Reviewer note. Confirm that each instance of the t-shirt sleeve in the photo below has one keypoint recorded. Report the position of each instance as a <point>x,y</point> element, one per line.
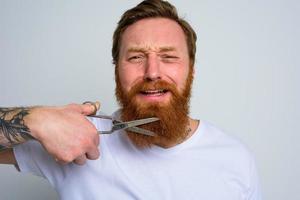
<point>31,157</point>
<point>254,192</point>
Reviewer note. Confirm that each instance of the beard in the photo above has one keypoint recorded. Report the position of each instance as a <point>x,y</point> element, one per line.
<point>173,124</point>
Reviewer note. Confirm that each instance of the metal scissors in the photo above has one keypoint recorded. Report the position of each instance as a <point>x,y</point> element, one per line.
<point>130,125</point>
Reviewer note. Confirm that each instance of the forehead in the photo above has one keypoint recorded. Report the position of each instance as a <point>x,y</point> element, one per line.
<point>154,34</point>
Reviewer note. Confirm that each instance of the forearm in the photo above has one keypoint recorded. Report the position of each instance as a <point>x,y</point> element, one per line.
<point>13,130</point>
<point>63,131</point>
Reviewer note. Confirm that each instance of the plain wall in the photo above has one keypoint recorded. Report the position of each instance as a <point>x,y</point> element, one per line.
<point>247,74</point>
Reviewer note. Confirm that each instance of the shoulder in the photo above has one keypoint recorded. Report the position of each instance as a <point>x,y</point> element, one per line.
<point>235,160</point>
<point>228,146</point>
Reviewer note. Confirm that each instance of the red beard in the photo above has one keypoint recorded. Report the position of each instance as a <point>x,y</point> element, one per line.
<point>174,120</point>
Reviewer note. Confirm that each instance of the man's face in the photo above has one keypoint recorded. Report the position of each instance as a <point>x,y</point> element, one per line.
<point>153,79</point>
<point>151,50</point>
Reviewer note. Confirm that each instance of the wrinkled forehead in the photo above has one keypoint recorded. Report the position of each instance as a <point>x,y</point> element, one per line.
<point>150,48</point>
<point>154,34</point>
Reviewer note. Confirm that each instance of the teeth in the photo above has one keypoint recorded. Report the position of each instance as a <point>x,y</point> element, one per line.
<point>153,91</point>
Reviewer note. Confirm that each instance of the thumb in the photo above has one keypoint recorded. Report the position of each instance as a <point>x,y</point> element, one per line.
<point>90,108</point>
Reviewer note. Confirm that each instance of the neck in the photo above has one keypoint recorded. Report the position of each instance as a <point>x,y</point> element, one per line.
<point>191,129</point>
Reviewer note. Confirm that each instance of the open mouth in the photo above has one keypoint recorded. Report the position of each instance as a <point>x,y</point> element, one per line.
<point>158,92</point>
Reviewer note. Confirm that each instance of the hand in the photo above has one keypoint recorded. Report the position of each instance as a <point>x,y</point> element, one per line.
<point>65,132</point>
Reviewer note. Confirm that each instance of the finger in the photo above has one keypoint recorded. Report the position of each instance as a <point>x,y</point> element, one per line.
<point>93,155</point>
<point>81,160</point>
<point>89,108</point>
<point>75,107</point>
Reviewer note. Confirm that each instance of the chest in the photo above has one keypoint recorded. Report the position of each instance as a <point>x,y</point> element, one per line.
<point>175,177</point>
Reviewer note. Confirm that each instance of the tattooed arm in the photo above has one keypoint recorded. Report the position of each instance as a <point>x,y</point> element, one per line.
<point>63,131</point>
<point>13,130</point>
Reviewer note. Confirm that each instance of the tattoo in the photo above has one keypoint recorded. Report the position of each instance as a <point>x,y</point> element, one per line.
<point>13,130</point>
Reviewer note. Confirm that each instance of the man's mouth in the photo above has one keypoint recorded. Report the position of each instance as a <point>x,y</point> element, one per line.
<point>157,92</point>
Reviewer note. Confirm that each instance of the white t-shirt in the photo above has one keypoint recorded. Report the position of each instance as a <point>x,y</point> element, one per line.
<point>210,165</point>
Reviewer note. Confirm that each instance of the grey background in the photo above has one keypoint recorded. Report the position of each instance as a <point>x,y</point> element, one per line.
<point>58,52</point>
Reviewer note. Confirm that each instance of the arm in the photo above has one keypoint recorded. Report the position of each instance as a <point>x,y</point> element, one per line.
<point>63,131</point>
<point>13,131</point>
<point>7,157</point>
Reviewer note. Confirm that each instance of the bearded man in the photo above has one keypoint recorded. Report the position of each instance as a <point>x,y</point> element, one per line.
<point>154,53</point>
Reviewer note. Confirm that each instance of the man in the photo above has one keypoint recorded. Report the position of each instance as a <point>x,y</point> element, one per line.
<point>154,53</point>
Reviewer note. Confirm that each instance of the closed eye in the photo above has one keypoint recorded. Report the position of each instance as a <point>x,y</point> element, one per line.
<point>169,58</point>
<point>136,58</point>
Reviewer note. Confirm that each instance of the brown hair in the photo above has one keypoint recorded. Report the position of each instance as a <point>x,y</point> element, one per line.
<point>153,9</point>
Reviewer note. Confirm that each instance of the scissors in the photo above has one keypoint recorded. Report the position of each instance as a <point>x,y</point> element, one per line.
<point>130,125</point>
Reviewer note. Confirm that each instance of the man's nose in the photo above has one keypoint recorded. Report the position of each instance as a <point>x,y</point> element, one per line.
<point>152,68</point>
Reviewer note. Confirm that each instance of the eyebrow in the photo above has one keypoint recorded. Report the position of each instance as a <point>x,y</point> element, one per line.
<point>143,49</point>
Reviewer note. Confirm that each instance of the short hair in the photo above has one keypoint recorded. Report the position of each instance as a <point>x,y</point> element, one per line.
<point>153,9</point>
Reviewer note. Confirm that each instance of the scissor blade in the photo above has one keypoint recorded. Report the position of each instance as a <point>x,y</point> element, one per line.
<point>138,122</point>
<point>141,131</point>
